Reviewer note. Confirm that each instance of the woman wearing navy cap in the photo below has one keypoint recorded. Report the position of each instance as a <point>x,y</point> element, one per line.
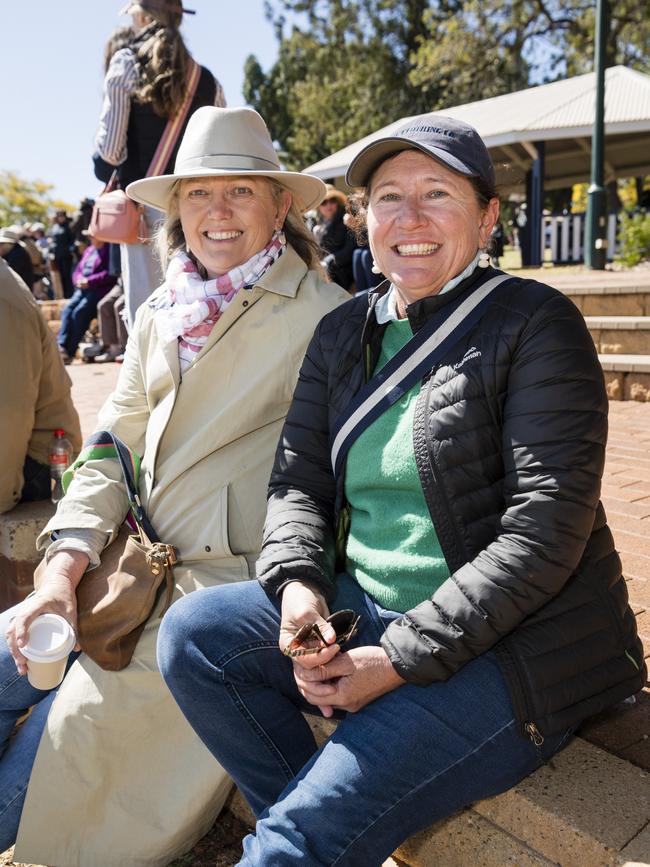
<point>438,477</point>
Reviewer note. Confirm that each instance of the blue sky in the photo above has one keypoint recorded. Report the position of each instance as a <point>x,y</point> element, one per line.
<point>51,70</point>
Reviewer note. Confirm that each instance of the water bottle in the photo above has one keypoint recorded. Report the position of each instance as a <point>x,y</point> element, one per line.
<point>60,457</point>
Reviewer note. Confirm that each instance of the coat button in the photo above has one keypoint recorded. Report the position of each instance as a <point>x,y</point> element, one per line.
<point>208,548</point>
<point>244,303</point>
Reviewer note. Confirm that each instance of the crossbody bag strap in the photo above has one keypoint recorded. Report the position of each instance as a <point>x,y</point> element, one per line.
<point>175,124</point>
<point>105,444</point>
<point>408,366</point>
<point>112,183</point>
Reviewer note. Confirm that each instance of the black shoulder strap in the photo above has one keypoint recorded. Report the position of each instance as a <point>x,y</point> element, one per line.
<point>409,365</point>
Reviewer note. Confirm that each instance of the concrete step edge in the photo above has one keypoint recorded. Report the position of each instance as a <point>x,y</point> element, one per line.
<point>625,363</point>
<point>602,289</point>
<point>583,809</point>
<point>619,323</point>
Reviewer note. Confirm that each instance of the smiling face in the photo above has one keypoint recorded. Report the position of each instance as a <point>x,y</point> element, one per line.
<point>425,224</point>
<point>226,220</point>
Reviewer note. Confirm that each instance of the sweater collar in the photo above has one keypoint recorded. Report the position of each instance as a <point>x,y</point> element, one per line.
<point>421,310</point>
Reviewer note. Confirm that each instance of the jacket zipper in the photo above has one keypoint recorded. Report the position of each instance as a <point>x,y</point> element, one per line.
<point>518,696</point>
<point>439,487</point>
<point>534,733</point>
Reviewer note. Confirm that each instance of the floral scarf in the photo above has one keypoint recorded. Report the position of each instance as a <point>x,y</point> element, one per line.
<point>190,306</point>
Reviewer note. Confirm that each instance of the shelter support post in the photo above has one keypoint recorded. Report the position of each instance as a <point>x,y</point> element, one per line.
<point>531,250</point>
<point>596,226</point>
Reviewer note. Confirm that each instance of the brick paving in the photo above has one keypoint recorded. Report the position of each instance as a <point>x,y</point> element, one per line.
<point>91,385</point>
<point>626,497</point>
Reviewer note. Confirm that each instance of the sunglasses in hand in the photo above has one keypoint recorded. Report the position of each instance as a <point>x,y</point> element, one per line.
<point>309,639</point>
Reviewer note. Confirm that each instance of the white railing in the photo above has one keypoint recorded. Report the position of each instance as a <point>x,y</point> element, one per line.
<point>564,236</point>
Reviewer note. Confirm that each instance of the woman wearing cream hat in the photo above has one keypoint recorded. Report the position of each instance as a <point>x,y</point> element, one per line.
<point>207,379</point>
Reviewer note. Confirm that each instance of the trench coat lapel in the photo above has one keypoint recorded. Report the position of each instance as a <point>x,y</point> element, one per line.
<point>170,353</point>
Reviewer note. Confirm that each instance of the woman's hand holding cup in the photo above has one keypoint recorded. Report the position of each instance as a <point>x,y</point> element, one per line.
<point>56,595</point>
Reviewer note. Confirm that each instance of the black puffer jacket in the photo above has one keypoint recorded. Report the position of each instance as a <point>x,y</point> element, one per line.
<point>509,437</point>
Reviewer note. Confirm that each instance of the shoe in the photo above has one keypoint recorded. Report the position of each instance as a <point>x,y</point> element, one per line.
<point>119,359</point>
<point>90,351</point>
<point>111,354</point>
<point>65,358</point>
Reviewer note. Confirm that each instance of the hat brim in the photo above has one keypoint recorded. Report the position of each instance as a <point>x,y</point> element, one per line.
<point>307,191</point>
<point>367,160</point>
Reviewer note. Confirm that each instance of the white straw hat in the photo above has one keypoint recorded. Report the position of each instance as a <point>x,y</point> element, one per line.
<point>227,142</point>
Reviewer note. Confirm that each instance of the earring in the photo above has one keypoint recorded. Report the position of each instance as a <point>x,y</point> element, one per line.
<point>483,260</point>
<point>375,268</point>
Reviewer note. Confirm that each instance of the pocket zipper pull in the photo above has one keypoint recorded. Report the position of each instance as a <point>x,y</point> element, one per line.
<point>534,733</point>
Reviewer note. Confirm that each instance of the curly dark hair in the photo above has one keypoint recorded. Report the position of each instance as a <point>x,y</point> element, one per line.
<point>162,60</point>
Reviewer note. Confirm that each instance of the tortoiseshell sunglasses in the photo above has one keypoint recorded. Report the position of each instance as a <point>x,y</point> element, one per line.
<point>309,639</point>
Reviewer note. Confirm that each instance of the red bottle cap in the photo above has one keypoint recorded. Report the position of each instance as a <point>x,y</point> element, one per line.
<point>59,432</point>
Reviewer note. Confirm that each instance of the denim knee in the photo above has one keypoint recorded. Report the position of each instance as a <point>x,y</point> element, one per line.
<point>175,636</point>
<point>210,628</point>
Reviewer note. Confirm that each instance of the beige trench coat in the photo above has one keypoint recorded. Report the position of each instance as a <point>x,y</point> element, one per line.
<point>34,387</point>
<point>120,778</point>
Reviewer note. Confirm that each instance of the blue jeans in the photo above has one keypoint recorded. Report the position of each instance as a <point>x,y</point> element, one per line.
<point>76,317</point>
<point>17,752</point>
<point>407,759</point>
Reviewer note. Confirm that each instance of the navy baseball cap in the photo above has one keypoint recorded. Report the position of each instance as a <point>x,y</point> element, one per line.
<point>452,142</point>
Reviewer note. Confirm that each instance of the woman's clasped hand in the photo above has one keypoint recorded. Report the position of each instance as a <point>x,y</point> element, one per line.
<point>332,679</point>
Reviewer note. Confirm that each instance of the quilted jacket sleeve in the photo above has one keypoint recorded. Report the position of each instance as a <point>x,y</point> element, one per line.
<point>553,436</point>
<point>298,542</point>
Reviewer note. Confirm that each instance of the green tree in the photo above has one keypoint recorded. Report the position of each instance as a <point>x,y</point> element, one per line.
<point>339,77</point>
<point>348,67</point>
<point>628,41</point>
<point>23,201</point>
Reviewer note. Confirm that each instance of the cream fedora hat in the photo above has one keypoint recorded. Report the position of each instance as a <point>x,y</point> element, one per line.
<point>226,142</point>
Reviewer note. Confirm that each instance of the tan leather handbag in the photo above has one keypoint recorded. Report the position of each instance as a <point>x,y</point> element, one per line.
<point>115,600</point>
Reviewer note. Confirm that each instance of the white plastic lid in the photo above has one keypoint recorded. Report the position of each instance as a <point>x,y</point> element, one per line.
<point>50,638</point>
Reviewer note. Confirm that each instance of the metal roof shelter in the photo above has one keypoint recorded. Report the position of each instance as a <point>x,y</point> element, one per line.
<point>541,137</point>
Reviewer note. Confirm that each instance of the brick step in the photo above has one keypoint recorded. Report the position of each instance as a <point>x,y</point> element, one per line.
<point>616,335</point>
<point>19,529</point>
<point>627,376</point>
<point>52,310</point>
<point>619,297</point>
<point>588,808</point>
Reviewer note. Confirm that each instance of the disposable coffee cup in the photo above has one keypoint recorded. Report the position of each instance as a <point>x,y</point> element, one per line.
<point>50,640</point>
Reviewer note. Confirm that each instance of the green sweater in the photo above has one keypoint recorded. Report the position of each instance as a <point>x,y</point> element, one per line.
<point>392,550</point>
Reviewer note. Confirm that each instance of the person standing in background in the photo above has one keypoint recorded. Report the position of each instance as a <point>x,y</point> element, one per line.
<point>62,244</point>
<point>336,241</point>
<point>144,87</point>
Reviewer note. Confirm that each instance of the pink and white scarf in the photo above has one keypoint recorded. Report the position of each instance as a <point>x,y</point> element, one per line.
<point>190,306</point>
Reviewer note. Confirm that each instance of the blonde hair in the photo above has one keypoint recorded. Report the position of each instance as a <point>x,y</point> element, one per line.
<point>162,60</point>
<point>171,240</point>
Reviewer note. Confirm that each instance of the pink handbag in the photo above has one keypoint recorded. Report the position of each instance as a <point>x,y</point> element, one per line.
<point>116,218</point>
